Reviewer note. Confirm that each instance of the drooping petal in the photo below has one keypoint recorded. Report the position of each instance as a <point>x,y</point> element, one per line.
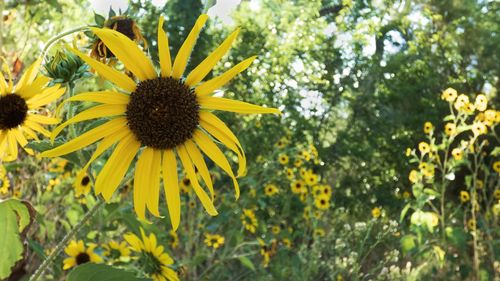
<point>12,147</point>
<point>222,131</point>
<point>34,88</point>
<point>21,140</point>
<point>199,163</point>
<point>106,97</point>
<point>3,85</point>
<point>117,165</point>
<point>164,51</point>
<point>106,143</point>
<point>187,47</point>
<point>36,127</point>
<point>213,152</point>
<point>208,64</point>
<point>224,104</point>
<point>202,195</point>
<point>88,137</point>
<point>43,119</point>
<point>140,183</point>
<point>127,52</point>
<point>219,81</point>
<point>119,79</point>
<point>29,75</point>
<point>171,187</point>
<point>153,198</point>
<point>100,111</point>
<point>30,133</point>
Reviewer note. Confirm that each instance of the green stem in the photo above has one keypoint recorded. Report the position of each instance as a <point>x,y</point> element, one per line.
<point>61,245</point>
<point>60,36</point>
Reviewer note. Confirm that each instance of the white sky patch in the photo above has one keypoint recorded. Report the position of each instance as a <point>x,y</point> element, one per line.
<point>223,10</point>
<point>102,7</point>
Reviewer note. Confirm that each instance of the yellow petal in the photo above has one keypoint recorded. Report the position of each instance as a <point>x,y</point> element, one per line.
<point>21,140</point>
<point>117,165</point>
<point>171,187</point>
<point>3,85</point>
<point>105,110</point>
<point>199,163</point>
<point>34,88</point>
<point>89,137</point>
<point>222,132</point>
<point>12,146</point>
<point>6,68</point>
<point>30,133</point>
<point>43,99</point>
<point>127,52</point>
<point>119,79</point>
<point>106,97</point>
<point>43,119</point>
<point>202,195</point>
<point>164,51</point>
<point>213,152</point>
<point>106,143</point>
<point>35,126</point>
<point>154,183</point>
<point>207,64</point>
<point>140,184</point>
<point>185,51</point>
<point>224,104</point>
<point>28,76</point>
<point>219,81</point>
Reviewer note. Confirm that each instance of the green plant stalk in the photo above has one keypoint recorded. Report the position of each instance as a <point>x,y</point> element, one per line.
<point>59,36</point>
<point>61,245</point>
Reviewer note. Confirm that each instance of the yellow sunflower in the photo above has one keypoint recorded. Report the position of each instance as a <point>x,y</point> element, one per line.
<point>117,251</point>
<point>249,220</point>
<point>156,262</point>
<point>158,117</point>
<point>19,116</point>
<point>79,254</point>
<point>270,190</point>
<point>82,185</point>
<point>213,240</point>
<point>322,202</point>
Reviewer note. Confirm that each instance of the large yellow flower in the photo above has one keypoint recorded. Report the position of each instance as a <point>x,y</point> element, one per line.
<point>19,104</point>
<point>160,116</point>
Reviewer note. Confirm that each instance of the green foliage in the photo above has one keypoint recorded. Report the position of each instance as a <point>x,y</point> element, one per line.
<point>15,217</point>
<point>102,272</point>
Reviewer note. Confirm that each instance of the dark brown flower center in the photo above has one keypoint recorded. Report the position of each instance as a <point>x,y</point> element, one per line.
<point>85,181</point>
<point>163,113</point>
<point>82,258</point>
<point>13,111</point>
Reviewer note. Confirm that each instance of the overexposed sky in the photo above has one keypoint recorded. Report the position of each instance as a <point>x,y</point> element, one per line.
<point>222,8</point>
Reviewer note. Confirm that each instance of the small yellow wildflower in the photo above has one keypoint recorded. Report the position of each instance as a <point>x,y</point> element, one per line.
<point>449,95</point>
<point>428,127</point>
<point>413,177</point>
<point>214,240</point>
<point>270,190</point>
<point>464,196</point>
<point>249,220</point>
<point>424,147</point>
<point>450,129</point>
<point>79,254</point>
<point>496,166</point>
<point>283,159</point>
<point>457,153</point>
<point>322,202</point>
<point>481,102</point>
<point>376,212</point>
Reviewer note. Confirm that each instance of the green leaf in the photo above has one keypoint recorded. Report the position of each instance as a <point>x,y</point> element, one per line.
<point>90,271</point>
<point>209,4</point>
<point>407,243</point>
<point>44,145</point>
<point>404,211</point>
<point>99,20</point>
<point>246,262</point>
<point>15,217</point>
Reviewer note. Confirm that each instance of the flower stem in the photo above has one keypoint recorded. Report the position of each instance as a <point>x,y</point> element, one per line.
<point>60,36</point>
<point>60,246</point>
